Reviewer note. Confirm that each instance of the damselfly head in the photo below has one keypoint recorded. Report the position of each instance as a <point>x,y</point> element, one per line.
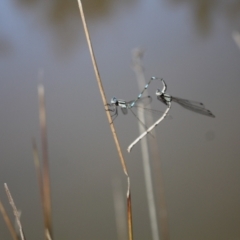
<point>114,100</point>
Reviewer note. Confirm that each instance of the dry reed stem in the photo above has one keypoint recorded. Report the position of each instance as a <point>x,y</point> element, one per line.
<point>118,201</point>
<point>48,235</point>
<point>138,69</point>
<point>37,167</point>
<point>8,222</point>
<point>157,170</point>
<point>236,38</point>
<point>129,213</point>
<point>38,170</point>
<point>130,230</point>
<point>15,211</point>
<point>45,172</point>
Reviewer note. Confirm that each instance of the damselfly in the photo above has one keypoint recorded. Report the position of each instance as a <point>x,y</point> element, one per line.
<point>140,103</point>
<point>126,106</point>
<point>167,99</point>
<point>194,106</point>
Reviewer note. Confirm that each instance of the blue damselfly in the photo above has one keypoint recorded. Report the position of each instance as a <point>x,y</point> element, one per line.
<point>167,99</point>
<point>125,106</point>
<point>194,106</point>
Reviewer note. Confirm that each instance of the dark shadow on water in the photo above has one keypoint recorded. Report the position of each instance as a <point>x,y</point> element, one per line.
<point>61,16</point>
<point>63,20</point>
<point>58,11</point>
<point>204,11</point>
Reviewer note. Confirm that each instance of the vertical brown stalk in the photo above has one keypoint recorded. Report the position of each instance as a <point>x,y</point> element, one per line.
<point>8,222</point>
<point>157,169</point>
<point>130,229</point>
<point>45,172</point>
<point>15,211</point>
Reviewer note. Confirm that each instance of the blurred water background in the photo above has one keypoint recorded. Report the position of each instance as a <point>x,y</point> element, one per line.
<point>188,43</point>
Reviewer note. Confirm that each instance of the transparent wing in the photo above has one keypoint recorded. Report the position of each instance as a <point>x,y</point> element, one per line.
<point>139,120</point>
<point>194,106</point>
<point>152,111</point>
<point>124,111</point>
<point>188,102</point>
<point>143,101</point>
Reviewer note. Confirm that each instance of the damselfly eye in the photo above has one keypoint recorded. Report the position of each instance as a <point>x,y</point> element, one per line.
<point>114,100</point>
<point>158,92</point>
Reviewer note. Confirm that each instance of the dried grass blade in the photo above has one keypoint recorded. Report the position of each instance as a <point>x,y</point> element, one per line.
<point>157,170</point>
<point>48,235</point>
<point>15,211</point>
<point>129,212</point>
<point>138,69</point>
<point>119,208</point>
<point>38,170</point>
<point>45,172</point>
<point>8,222</point>
<point>107,112</point>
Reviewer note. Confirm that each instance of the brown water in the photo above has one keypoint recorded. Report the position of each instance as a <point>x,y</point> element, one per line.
<point>190,45</point>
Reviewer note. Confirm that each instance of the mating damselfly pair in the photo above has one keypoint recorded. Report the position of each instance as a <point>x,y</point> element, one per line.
<point>162,96</point>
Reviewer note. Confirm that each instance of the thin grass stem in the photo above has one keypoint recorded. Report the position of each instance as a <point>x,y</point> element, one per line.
<point>118,201</point>
<point>154,149</point>
<point>15,211</point>
<point>8,222</point>
<point>101,89</point>
<point>48,235</point>
<point>45,173</point>
<point>138,69</point>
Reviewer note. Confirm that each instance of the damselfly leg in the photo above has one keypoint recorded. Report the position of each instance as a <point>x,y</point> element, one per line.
<point>127,105</point>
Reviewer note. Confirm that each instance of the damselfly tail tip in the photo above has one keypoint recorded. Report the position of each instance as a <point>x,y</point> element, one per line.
<point>213,116</point>
<point>155,78</point>
<point>210,114</point>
